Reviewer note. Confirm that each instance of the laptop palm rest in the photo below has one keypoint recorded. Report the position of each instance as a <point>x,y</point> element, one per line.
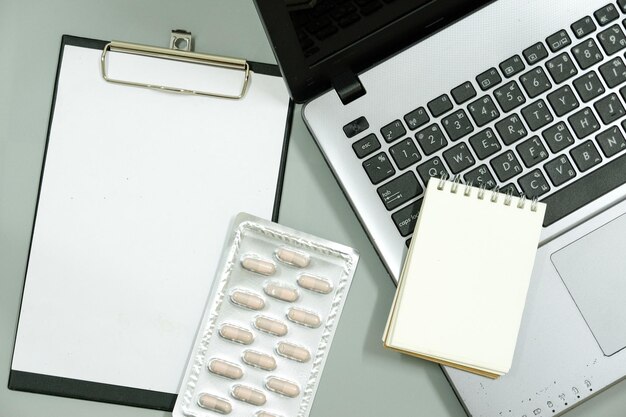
<point>593,268</point>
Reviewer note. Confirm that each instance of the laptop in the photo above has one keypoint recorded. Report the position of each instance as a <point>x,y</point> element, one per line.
<point>529,97</point>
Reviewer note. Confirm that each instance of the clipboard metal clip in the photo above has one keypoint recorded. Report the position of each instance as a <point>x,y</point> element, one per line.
<point>176,53</point>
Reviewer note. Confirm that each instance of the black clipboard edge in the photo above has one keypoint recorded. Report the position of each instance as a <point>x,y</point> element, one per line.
<point>96,391</point>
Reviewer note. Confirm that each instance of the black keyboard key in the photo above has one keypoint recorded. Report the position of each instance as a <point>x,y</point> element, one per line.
<point>534,184</point>
<point>399,190</point>
<point>440,105</point>
<point>558,137</point>
<point>563,100</point>
<point>589,86</point>
<point>405,153</point>
<point>583,27</point>
<point>537,115</point>
<point>622,5</point>
<point>535,82</point>
<point>510,189</point>
<point>431,139</point>
<point>584,122</point>
<point>483,111</point>
<point>612,39</point>
<point>378,168</point>
<point>512,66</point>
<point>509,96</point>
<point>488,79</point>
<point>408,243</point>
<point>532,151</point>
<point>560,170</point>
<point>535,53</point>
<point>366,146</point>
<point>463,92</point>
<point>585,190</point>
<point>609,108</point>
<point>406,218</point>
<point>356,126</point>
<point>506,166</point>
<point>558,41</point>
<point>613,72</point>
<point>611,141</point>
<point>586,156</point>
<point>587,53</point>
<point>511,129</point>
<point>561,68</point>
<point>606,14</point>
<point>459,158</point>
<point>394,130</point>
<point>432,168</point>
<point>480,176</point>
<point>457,125</point>
<point>416,118</point>
<point>485,143</point>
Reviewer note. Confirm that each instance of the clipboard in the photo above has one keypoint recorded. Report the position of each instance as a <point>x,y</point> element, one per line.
<point>136,187</point>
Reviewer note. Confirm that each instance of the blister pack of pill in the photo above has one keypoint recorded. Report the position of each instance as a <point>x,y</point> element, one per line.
<point>268,324</point>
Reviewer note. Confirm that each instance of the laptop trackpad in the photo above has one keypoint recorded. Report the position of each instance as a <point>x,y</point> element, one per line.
<point>593,269</point>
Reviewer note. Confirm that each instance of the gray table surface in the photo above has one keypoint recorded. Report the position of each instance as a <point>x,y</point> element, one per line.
<point>361,378</point>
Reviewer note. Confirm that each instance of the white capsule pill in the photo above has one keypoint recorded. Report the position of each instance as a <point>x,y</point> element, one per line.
<point>259,360</point>
<point>248,395</point>
<point>281,292</point>
<point>293,257</point>
<point>236,334</point>
<point>316,284</point>
<point>225,369</point>
<point>293,352</point>
<point>247,300</point>
<point>265,414</point>
<point>303,317</point>
<point>271,326</point>
<point>258,265</point>
<point>213,403</point>
<point>282,386</point>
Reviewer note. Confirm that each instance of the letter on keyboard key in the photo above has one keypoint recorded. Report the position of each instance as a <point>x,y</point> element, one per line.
<point>534,184</point>
<point>432,168</point>
<point>563,100</point>
<point>537,115</point>
<point>558,137</point>
<point>393,131</point>
<point>506,166</point>
<point>611,141</point>
<point>613,72</point>
<point>560,170</point>
<point>406,218</point>
<point>532,151</point>
<point>609,108</point>
<point>511,129</point>
<point>485,143</point>
<point>584,122</point>
<point>399,190</point>
<point>586,156</point>
<point>458,158</point>
<point>480,176</point>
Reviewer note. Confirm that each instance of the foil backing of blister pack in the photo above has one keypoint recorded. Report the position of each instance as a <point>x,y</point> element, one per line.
<point>319,271</point>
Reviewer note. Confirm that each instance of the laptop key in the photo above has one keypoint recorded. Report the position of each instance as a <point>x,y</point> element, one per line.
<point>584,122</point>
<point>480,176</point>
<point>512,66</point>
<point>561,68</point>
<point>457,125</point>
<point>416,118</point>
<point>506,166</point>
<point>432,168</point>
<point>378,168</point>
<point>612,140</point>
<point>485,143</point>
<point>532,151</point>
<point>483,111</point>
<point>440,105</point>
<point>586,156</point>
<point>606,14</point>
<point>587,53</point>
<point>583,27</point>
<point>488,79</point>
<point>558,41</point>
<point>534,184</point>
<point>612,39</point>
<point>431,139</point>
<point>405,153</point>
<point>406,218</point>
<point>560,170</point>
<point>537,115</point>
<point>535,82</point>
<point>511,129</point>
<point>399,190</point>
<point>366,146</point>
<point>393,131</point>
<point>463,92</point>
<point>563,100</point>
<point>622,5</point>
<point>509,96</point>
<point>609,108</point>
<point>589,86</point>
<point>558,137</point>
<point>613,72</point>
<point>356,126</point>
<point>459,158</point>
<point>535,53</point>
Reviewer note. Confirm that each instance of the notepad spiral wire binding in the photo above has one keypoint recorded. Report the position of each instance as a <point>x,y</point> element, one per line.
<point>456,182</point>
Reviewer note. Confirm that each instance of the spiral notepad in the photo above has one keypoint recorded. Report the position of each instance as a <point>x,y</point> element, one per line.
<point>463,287</point>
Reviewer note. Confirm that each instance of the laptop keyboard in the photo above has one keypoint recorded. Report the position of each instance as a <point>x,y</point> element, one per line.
<point>547,123</point>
